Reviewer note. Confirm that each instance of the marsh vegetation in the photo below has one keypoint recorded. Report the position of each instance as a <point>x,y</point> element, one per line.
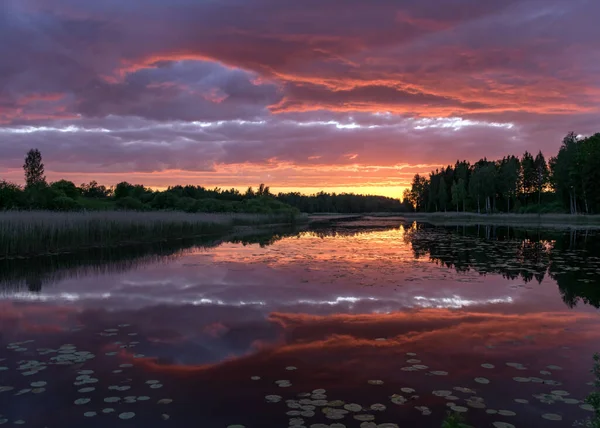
<point>29,233</point>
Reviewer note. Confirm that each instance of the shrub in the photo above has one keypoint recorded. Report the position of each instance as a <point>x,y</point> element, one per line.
<point>11,196</point>
<point>67,187</point>
<point>97,204</point>
<point>129,203</point>
<point>164,200</point>
<point>64,203</point>
<point>185,204</point>
<point>41,196</point>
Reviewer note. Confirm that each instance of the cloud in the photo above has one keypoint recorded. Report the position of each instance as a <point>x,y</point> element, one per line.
<point>210,86</point>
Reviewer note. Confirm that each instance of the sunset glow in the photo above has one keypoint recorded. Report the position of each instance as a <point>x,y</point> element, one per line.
<point>295,95</point>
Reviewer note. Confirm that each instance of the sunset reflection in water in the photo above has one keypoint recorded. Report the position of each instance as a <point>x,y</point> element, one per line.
<point>344,308</point>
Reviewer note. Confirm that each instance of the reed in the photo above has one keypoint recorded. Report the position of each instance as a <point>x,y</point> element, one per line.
<point>29,233</point>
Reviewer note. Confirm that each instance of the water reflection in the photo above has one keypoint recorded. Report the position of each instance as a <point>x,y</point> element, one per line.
<point>364,311</point>
<point>34,273</point>
<point>194,358</point>
<point>571,257</point>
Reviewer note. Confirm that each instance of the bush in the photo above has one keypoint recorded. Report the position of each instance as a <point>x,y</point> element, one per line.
<point>94,204</point>
<point>267,205</point>
<point>66,187</point>
<point>122,190</point>
<point>129,203</point>
<point>185,204</point>
<point>11,196</point>
<point>553,208</point>
<point>64,203</point>
<point>41,197</point>
<point>210,205</point>
<point>164,200</point>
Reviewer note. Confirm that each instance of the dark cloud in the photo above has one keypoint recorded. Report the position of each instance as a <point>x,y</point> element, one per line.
<point>155,86</point>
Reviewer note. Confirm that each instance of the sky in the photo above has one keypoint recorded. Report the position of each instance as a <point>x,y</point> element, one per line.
<point>339,95</point>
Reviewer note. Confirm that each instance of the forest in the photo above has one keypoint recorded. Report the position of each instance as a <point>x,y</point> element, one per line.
<point>64,195</point>
<point>567,182</point>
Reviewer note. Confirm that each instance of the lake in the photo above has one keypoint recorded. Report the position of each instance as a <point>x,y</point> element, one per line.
<point>365,324</point>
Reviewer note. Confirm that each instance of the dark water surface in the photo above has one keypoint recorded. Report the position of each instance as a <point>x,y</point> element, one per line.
<point>198,334</point>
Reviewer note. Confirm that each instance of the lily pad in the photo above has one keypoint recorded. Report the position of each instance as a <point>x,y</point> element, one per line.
<point>38,384</point>
<point>353,407</point>
<point>378,407</point>
<point>364,417</point>
<point>273,398</point>
<point>126,415</point>
<point>552,417</point>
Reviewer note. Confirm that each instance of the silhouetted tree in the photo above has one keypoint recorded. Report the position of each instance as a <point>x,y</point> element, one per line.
<point>541,174</point>
<point>34,169</point>
<point>459,194</point>
<point>94,190</point>
<point>508,179</point>
<point>528,175</point>
<point>69,188</point>
<point>442,193</point>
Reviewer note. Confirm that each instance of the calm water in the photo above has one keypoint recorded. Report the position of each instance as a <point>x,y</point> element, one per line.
<point>365,313</point>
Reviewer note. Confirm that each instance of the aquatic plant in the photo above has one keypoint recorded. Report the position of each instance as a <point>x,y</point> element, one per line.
<point>27,233</point>
<point>593,399</point>
<point>454,420</point>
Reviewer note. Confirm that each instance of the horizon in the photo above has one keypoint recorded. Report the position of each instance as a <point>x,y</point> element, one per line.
<point>230,95</point>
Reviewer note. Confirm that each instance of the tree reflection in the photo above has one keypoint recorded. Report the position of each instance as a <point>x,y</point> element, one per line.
<point>571,258</point>
<point>35,273</point>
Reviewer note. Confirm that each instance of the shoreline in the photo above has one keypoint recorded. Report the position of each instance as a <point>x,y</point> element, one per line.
<point>564,221</point>
<point>558,221</point>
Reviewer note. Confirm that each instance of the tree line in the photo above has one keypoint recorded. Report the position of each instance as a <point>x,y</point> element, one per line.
<point>567,182</point>
<point>64,195</point>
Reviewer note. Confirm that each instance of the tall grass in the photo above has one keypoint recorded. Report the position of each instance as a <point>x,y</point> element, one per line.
<point>28,233</point>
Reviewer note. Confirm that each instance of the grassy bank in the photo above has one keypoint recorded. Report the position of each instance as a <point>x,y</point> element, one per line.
<point>453,218</point>
<point>30,233</point>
